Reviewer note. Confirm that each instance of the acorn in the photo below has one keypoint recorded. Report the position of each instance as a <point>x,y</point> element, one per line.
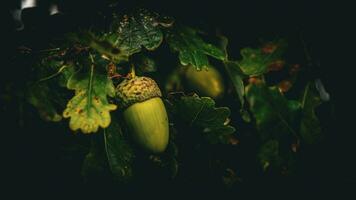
<point>144,113</point>
<point>206,82</point>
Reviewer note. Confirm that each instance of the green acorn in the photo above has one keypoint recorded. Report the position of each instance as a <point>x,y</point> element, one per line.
<point>206,82</point>
<point>144,112</point>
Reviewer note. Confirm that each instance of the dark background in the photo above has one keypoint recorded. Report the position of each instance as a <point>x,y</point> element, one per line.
<point>32,163</point>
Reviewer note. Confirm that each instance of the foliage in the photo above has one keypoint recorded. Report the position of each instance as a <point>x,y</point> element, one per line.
<point>91,63</point>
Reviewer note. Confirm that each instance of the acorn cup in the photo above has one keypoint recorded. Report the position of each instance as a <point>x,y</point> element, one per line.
<point>144,113</point>
<point>206,82</point>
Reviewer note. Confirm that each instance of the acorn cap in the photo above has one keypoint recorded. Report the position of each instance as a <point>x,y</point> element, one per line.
<point>137,89</point>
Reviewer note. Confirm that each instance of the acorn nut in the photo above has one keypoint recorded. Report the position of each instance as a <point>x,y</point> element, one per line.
<point>206,82</point>
<point>144,113</point>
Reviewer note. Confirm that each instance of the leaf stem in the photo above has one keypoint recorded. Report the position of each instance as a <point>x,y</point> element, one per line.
<point>196,116</point>
<point>53,75</point>
<point>49,50</point>
<point>305,48</point>
<point>90,84</point>
<point>133,73</point>
<point>305,95</point>
<point>106,148</point>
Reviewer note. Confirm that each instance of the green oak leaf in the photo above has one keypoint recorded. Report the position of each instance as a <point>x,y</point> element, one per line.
<point>310,128</point>
<point>89,108</point>
<point>191,47</point>
<point>141,29</point>
<point>119,153</point>
<point>201,113</point>
<point>256,61</point>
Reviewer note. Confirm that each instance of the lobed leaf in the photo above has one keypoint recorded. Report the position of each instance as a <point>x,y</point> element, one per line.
<point>200,112</point>
<point>89,109</point>
<point>192,48</point>
<point>141,29</point>
<point>256,61</point>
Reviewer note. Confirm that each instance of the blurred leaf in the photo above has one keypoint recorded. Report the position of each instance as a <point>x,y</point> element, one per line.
<point>49,72</point>
<point>245,115</point>
<point>39,95</point>
<point>89,108</point>
<point>274,114</point>
<point>269,154</point>
<point>141,29</point>
<point>192,48</point>
<point>200,112</point>
<point>174,81</point>
<point>310,128</point>
<point>49,69</point>
<point>173,165</point>
<point>166,163</point>
<point>119,153</point>
<point>172,153</point>
<point>144,64</point>
<point>230,178</point>
<point>99,43</point>
<point>256,61</point>
<point>223,44</point>
<point>277,122</point>
<point>108,50</point>
<point>236,77</point>
<point>66,73</point>
<point>324,95</point>
<point>94,165</point>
